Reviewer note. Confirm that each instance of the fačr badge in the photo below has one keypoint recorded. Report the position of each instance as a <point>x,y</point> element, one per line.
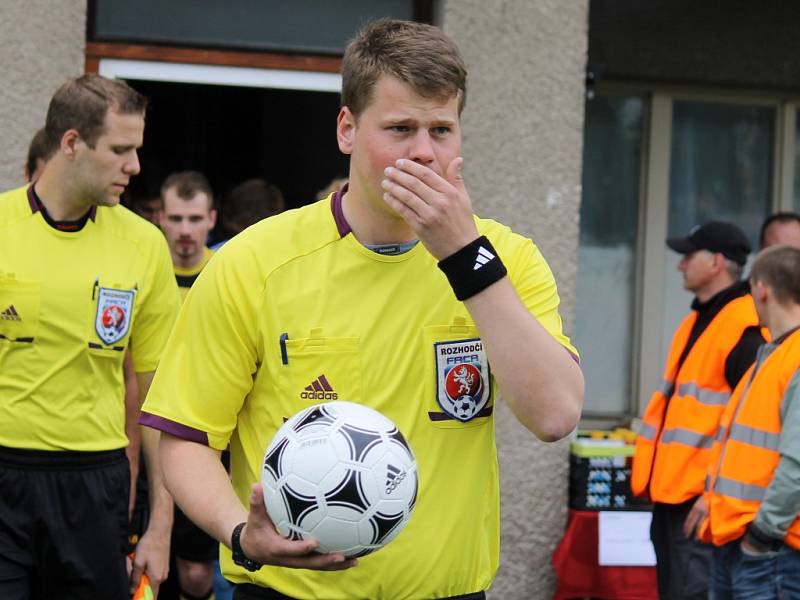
<point>463,380</point>
<point>113,318</point>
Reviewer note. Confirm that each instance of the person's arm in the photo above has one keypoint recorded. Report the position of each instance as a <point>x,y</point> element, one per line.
<point>132,431</point>
<point>540,380</point>
<point>152,551</point>
<point>216,509</point>
<point>781,502</point>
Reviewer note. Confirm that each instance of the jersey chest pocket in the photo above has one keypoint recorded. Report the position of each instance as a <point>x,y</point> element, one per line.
<point>109,320</point>
<point>318,369</point>
<point>19,311</point>
<point>459,384</point>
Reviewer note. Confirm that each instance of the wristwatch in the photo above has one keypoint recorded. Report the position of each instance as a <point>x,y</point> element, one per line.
<point>239,557</point>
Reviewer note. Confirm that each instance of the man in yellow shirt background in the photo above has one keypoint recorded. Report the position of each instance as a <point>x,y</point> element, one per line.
<point>82,280</point>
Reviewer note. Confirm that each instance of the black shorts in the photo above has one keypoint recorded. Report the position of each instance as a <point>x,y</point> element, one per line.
<point>63,524</point>
<point>189,542</point>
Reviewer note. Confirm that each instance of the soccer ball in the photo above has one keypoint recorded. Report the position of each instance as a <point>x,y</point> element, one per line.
<point>464,407</point>
<point>340,473</point>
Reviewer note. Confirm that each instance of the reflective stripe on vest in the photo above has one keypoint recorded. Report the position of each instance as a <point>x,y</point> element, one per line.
<point>755,437</point>
<point>739,490</point>
<point>667,388</point>
<point>687,438</point>
<point>703,395</point>
<point>648,432</point>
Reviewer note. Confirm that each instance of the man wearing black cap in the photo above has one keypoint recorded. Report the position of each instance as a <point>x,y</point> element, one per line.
<point>711,350</point>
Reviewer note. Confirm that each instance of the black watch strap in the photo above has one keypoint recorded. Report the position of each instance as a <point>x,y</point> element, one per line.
<point>239,556</point>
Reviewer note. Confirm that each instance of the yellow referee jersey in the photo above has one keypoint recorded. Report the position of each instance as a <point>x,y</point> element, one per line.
<point>71,303</point>
<point>186,277</point>
<point>295,311</point>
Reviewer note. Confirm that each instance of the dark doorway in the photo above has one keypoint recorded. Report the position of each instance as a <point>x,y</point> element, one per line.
<point>230,134</point>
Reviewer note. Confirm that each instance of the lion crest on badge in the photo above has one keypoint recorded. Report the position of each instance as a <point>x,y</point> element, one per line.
<point>463,379</point>
<point>113,317</point>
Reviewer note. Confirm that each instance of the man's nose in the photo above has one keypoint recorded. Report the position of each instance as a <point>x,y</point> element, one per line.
<point>422,148</point>
<point>131,166</point>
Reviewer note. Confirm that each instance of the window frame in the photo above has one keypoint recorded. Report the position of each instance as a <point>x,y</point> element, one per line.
<point>648,286</point>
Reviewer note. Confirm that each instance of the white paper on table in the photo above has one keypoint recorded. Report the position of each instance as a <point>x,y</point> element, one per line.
<point>624,539</point>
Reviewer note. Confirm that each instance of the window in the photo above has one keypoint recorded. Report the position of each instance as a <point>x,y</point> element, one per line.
<point>606,251</point>
<point>720,168</point>
<point>656,163</point>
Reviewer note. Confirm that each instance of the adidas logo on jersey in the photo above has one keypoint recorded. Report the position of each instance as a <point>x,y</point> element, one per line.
<point>393,478</point>
<point>319,389</point>
<point>10,314</point>
<point>484,256</point>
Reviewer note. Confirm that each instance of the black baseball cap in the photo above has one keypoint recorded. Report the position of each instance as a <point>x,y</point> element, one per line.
<point>714,236</point>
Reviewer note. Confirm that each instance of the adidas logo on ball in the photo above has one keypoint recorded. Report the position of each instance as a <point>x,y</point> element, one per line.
<point>393,478</point>
<point>340,473</point>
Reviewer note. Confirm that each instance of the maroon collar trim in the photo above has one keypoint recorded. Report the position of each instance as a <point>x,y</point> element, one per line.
<point>342,226</point>
<point>36,205</point>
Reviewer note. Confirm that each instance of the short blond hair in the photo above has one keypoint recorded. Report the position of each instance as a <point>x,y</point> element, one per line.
<point>417,54</point>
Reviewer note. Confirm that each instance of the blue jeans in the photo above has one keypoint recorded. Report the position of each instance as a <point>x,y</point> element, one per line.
<point>739,576</point>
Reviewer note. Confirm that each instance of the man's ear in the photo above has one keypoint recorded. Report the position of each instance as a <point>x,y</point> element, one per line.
<point>759,290</point>
<point>719,262</point>
<point>69,142</point>
<point>345,130</point>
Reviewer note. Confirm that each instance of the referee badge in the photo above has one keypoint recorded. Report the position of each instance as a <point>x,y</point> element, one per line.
<point>463,380</point>
<point>113,317</point>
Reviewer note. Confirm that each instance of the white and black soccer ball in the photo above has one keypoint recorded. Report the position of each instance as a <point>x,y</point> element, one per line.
<point>343,474</point>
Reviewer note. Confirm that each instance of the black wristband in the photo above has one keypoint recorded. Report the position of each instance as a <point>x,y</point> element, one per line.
<point>473,268</point>
<point>237,554</point>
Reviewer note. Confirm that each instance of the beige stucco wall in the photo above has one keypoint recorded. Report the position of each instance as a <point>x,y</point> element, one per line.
<point>41,44</point>
<point>522,144</point>
<point>523,132</point>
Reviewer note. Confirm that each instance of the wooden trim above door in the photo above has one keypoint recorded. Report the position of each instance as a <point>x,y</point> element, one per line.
<point>201,56</point>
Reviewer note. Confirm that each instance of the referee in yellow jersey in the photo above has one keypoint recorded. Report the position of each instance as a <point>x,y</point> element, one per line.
<point>373,295</point>
<point>82,280</point>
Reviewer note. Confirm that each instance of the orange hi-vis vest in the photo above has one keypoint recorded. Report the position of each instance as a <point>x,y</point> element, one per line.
<point>745,455</point>
<point>673,447</point>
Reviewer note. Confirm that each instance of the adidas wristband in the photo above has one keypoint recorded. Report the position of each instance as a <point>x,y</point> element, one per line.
<point>473,268</point>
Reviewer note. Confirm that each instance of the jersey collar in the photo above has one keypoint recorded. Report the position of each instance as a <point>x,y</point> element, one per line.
<point>36,205</point>
<point>342,226</point>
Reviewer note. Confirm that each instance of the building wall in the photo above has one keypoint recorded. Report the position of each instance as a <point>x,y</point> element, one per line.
<point>523,133</point>
<point>522,145</point>
<point>736,43</point>
<point>41,44</point>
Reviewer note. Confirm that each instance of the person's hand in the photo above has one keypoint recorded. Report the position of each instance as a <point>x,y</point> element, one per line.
<point>152,557</point>
<point>437,208</point>
<point>262,543</point>
<point>698,512</point>
<point>750,550</point>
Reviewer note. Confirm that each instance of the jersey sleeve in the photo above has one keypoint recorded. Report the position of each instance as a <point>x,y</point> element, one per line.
<point>211,357</point>
<point>536,287</point>
<point>158,304</point>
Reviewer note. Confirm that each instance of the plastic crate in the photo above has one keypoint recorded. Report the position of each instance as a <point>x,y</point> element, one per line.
<point>600,473</point>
